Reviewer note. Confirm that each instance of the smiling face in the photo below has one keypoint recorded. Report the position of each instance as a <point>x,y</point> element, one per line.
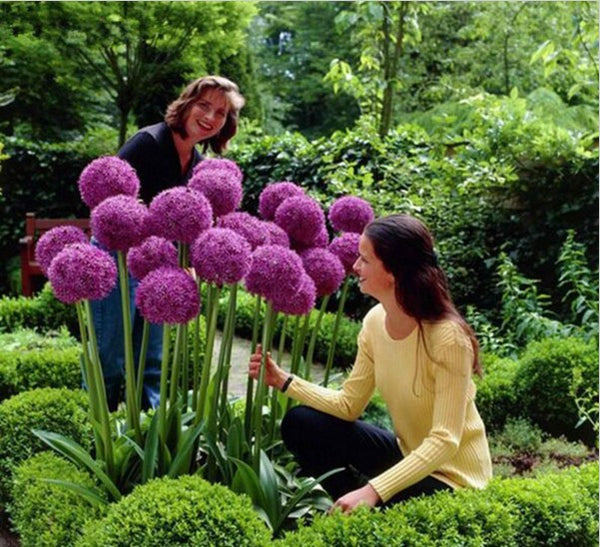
<point>207,115</point>
<point>373,278</point>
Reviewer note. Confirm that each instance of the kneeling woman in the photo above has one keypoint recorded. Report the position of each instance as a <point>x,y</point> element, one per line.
<point>419,352</point>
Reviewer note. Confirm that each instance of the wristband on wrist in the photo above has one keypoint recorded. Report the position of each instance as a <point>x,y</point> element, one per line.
<point>287,383</point>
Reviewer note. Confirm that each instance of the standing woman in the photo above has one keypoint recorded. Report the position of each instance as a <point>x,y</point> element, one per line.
<point>164,155</point>
<point>419,352</point>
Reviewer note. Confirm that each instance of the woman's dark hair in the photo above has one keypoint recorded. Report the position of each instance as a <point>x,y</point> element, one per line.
<point>406,248</point>
<point>178,110</point>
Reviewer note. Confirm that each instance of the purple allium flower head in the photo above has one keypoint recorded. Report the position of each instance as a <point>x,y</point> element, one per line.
<point>321,241</point>
<point>118,223</point>
<point>179,214</point>
<point>54,241</point>
<point>277,235</point>
<point>275,273</point>
<point>154,252</point>
<point>168,295</point>
<point>273,195</point>
<point>222,188</point>
<point>105,177</point>
<point>82,272</point>
<point>247,226</point>
<point>325,269</point>
<point>301,302</point>
<point>221,256</point>
<point>350,214</point>
<point>345,247</point>
<point>302,218</point>
<point>210,164</point>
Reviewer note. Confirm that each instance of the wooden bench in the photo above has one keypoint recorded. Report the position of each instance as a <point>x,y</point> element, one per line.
<point>34,228</point>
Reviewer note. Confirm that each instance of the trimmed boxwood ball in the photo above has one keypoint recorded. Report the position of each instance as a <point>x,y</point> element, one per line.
<point>61,411</point>
<point>543,383</point>
<point>49,515</point>
<point>184,511</point>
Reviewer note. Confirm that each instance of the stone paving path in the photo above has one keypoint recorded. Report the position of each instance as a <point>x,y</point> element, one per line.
<point>240,355</point>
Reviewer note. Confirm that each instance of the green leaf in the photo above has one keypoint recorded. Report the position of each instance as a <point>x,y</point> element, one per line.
<point>89,494</point>
<point>150,457</point>
<point>183,451</point>
<point>543,51</point>
<point>270,486</point>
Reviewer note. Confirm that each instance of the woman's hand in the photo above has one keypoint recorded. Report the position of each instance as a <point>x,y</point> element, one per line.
<point>363,496</point>
<point>274,376</point>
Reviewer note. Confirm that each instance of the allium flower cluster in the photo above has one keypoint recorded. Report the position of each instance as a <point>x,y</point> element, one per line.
<point>300,302</point>
<point>221,256</point>
<point>324,268</point>
<point>275,273</point>
<point>54,241</point>
<point>274,195</point>
<point>82,272</point>
<point>168,295</point>
<point>350,214</point>
<point>277,235</point>
<point>179,214</point>
<point>321,241</point>
<point>345,247</point>
<point>222,188</point>
<point>247,226</point>
<point>154,252</point>
<point>105,177</point>
<point>302,218</point>
<point>118,223</point>
<point>220,164</point>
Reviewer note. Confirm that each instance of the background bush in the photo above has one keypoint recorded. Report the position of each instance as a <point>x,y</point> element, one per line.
<point>555,509</point>
<point>183,511</point>
<point>58,410</point>
<point>49,515</point>
<point>543,384</point>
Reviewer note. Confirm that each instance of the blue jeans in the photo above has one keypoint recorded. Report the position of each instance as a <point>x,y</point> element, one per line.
<point>108,322</point>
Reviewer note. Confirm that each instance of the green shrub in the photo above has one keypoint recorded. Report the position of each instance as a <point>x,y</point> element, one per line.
<point>496,399</point>
<point>556,509</point>
<point>183,511</point>
<point>43,312</point>
<point>57,410</point>
<point>543,381</point>
<point>48,515</point>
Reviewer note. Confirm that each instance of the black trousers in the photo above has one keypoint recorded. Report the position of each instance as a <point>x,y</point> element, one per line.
<point>321,442</point>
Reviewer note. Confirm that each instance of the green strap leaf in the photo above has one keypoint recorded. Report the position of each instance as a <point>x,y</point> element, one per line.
<point>183,452</point>
<point>89,494</point>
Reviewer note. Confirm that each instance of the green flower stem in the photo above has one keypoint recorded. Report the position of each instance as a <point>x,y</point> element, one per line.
<point>250,381</point>
<point>275,414</point>
<point>300,332</point>
<point>92,385</point>
<point>336,327</point>
<point>196,359</point>
<point>268,328</point>
<point>133,413</point>
<point>100,390</point>
<point>211,327</point>
<point>313,338</point>
<point>142,362</point>
<point>185,372</point>
<point>227,346</point>
<point>164,375</point>
<point>176,365</point>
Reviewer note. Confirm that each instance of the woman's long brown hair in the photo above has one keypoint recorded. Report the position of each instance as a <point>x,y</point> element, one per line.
<point>406,248</point>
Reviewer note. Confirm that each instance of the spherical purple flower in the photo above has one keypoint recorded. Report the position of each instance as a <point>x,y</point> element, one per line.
<point>345,247</point>
<point>321,241</point>
<point>273,195</point>
<point>54,241</point>
<point>154,252</point>
<point>118,223</point>
<point>221,256</point>
<point>324,268</point>
<point>277,235</point>
<point>247,226</point>
<point>82,272</point>
<point>301,302</point>
<point>222,188</point>
<point>179,214</point>
<point>302,218</point>
<point>105,177</point>
<point>275,274</point>
<point>168,295</point>
<point>210,164</point>
<point>350,214</point>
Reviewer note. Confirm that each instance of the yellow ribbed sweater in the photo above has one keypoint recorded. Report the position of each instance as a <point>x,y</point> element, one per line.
<point>430,396</point>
